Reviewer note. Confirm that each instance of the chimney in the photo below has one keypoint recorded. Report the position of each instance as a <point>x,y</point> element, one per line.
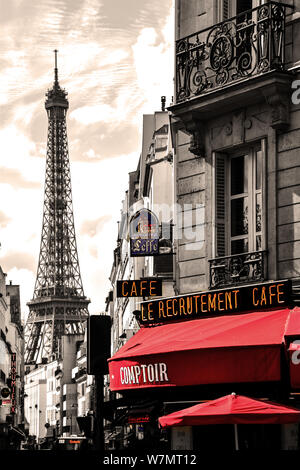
<point>163,103</point>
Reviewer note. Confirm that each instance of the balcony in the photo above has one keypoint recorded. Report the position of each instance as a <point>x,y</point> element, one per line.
<point>81,373</point>
<point>249,44</point>
<point>232,270</point>
<point>240,60</point>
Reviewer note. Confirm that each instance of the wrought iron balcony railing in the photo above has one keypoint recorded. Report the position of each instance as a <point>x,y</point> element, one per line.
<point>80,373</point>
<point>237,269</point>
<point>246,45</point>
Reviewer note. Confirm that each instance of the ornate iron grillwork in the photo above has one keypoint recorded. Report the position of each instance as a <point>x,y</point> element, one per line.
<point>249,44</point>
<point>237,269</point>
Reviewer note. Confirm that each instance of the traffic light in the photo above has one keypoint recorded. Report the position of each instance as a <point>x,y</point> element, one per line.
<point>98,343</point>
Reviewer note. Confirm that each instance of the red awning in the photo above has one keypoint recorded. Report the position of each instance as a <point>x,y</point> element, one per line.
<point>292,329</point>
<point>226,349</point>
<point>232,409</point>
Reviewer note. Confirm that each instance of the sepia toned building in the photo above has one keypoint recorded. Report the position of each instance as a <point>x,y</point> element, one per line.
<point>150,187</point>
<point>11,366</point>
<point>51,400</point>
<point>232,324</point>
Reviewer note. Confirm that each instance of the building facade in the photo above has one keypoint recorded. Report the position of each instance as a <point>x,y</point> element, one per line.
<point>11,366</point>
<point>238,122</point>
<point>85,390</point>
<point>51,402</point>
<point>150,187</point>
<point>235,131</point>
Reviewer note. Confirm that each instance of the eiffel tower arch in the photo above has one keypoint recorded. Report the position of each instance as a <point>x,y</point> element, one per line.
<point>59,306</point>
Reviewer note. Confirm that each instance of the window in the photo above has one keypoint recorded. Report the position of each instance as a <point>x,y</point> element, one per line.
<point>245,202</point>
<point>161,143</point>
<point>229,8</point>
<point>239,200</point>
<point>163,264</point>
<point>223,10</point>
<point>244,5</point>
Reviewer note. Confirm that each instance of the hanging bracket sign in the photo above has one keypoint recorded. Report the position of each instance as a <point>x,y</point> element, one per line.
<point>13,382</point>
<point>144,234</point>
<point>139,288</point>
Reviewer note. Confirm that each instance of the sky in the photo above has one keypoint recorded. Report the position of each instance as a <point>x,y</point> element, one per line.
<point>115,60</point>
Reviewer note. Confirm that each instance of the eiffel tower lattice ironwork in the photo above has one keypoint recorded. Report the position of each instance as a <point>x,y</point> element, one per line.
<point>59,306</point>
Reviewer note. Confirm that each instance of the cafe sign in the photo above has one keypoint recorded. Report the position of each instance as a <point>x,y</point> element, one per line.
<point>13,373</point>
<point>139,288</point>
<point>144,234</point>
<point>214,303</point>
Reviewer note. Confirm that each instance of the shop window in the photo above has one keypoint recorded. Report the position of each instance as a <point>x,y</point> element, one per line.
<point>239,202</point>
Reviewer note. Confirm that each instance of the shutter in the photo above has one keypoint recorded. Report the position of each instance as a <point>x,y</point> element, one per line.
<point>220,205</point>
<point>226,10</point>
<point>166,230</point>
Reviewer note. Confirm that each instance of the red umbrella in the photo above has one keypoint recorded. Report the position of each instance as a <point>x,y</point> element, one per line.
<point>232,409</point>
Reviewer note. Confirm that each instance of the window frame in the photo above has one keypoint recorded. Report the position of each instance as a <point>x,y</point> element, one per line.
<point>232,8</point>
<point>251,194</point>
<point>252,233</point>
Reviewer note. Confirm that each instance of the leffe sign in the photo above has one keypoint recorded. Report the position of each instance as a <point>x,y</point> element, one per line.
<point>144,234</point>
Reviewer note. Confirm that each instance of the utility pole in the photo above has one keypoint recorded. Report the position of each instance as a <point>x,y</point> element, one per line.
<point>99,426</point>
<point>98,342</point>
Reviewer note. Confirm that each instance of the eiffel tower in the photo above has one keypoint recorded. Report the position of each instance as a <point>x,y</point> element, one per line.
<point>59,306</point>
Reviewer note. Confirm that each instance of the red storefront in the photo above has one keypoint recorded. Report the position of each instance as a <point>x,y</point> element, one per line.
<point>198,346</point>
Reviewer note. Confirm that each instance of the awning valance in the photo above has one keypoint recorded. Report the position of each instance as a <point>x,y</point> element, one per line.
<point>235,348</point>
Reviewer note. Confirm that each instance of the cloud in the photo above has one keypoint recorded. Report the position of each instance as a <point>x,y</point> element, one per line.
<point>92,227</point>
<point>18,260</point>
<point>14,178</point>
<point>101,142</point>
<point>154,66</point>
<point>18,163</point>
<point>115,61</point>
<point>4,219</point>
<point>98,113</point>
